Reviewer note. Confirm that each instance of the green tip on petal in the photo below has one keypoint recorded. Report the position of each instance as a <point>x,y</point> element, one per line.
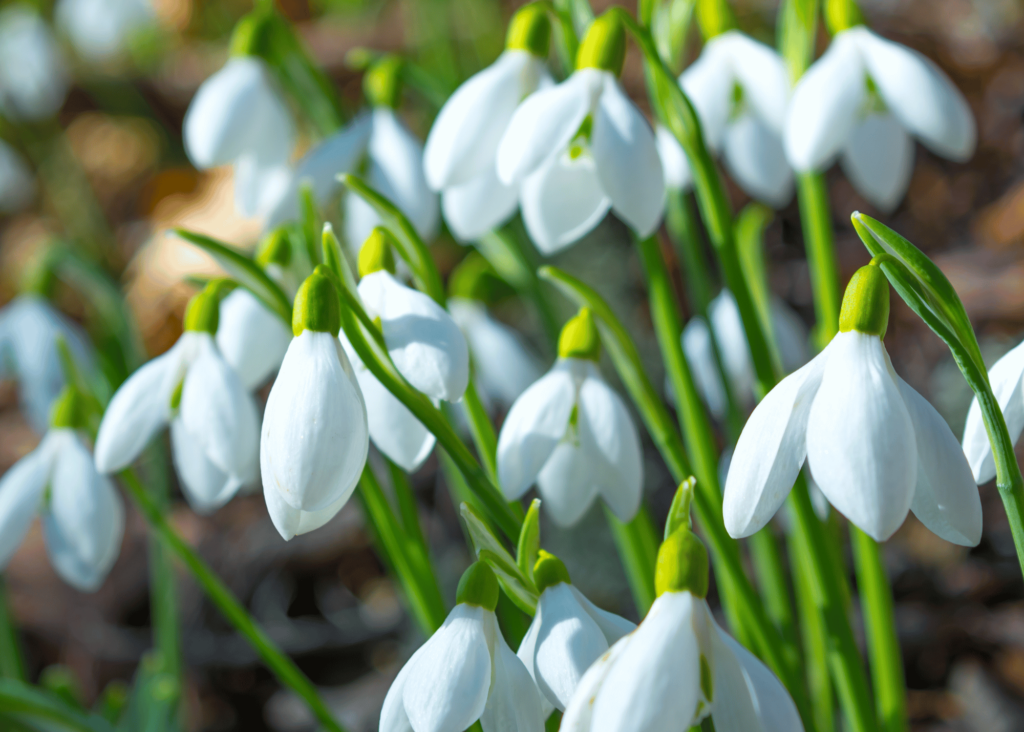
<point>376,253</point>
<point>251,34</point>
<point>530,30</point>
<point>316,305</point>
<point>548,571</point>
<point>842,15</point>
<point>866,302</point>
<point>275,248</point>
<point>382,82</point>
<point>604,45</point>
<point>69,411</point>
<point>682,565</point>
<point>579,338</point>
<point>478,586</point>
<point>474,278</point>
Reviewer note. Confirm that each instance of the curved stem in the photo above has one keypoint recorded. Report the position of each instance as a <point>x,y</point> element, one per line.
<point>12,663</point>
<point>816,220</point>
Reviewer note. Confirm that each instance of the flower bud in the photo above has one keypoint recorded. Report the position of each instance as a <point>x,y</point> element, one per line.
<point>275,249</point>
<point>382,82</point>
<point>69,410</point>
<point>842,15</point>
<point>866,302</point>
<point>604,45</point>
<point>478,586</point>
<point>203,311</point>
<point>530,30</point>
<point>682,565</point>
<point>376,252</point>
<point>548,571</point>
<point>579,338</point>
<point>316,305</point>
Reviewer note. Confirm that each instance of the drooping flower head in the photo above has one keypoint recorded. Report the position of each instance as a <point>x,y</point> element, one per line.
<point>875,447</point>
<point>1007,379</point>
<point>572,435</point>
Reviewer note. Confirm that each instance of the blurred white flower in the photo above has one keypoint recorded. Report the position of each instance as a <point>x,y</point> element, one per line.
<point>251,339</point>
<point>101,29</point>
<point>238,116</point>
<point>1007,379</point>
<point>33,74</point>
<point>863,100</point>
<point>17,185</point>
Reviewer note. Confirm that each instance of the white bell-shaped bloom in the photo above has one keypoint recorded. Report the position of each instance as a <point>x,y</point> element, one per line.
<point>790,337</point>
<point>213,419</point>
<point>82,515</point>
<point>875,447</point>
<point>251,339</point>
<point>568,633</point>
<point>29,329</point>
<point>33,76</point>
<point>238,116</point>
<point>100,29</point>
<point>503,368</point>
<point>674,165</point>
<point>1007,380</point>
<point>865,99</point>
<point>675,669</point>
<point>739,88</point>
<point>464,673</point>
<point>17,185</point>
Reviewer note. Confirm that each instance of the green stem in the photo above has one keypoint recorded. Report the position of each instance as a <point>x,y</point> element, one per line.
<point>816,219</point>
<point>279,664</point>
<point>813,634</point>
<point>1008,476</point>
<point>483,431</point>
<point>637,543</point>
<point>880,624</point>
<point>12,664</point>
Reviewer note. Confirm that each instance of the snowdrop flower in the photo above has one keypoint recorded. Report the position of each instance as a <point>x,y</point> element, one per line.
<point>33,77</point>
<point>790,337</point>
<point>581,148</point>
<point>567,634</point>
<point>571,434</point>
<point>1007,380</point>
<point>213,419</point>
<point>17,186</point>
<point>29,329</point>
<point>875,447</point>
<point>251,338</point>
<point>678,666</point>
<point>100,29</point>
<point>238,116</point>
<point>459,158</point>
<point>378,143</point>
<point>82,515</point>
<point>739,89</point>
<point>314,441</point>
<point>864,100</point>
<point>464,673</point>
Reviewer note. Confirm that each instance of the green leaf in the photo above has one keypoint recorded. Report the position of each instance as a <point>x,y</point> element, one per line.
<point>514,582</point>
<point>334,259</point>
<point>679,511</point>
<point>245,271</point>
<point>310,223</point>
<point>35,707</point>
<point>529,540</point>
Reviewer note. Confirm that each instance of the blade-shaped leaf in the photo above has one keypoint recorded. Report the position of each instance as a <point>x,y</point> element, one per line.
<point>33,707</point>
<point>334,259</point>
<point>529,540</point>
<point>516,584</point>
<point>679,511</point>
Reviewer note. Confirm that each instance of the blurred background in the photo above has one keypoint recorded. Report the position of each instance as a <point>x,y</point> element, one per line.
<point>105,176</point>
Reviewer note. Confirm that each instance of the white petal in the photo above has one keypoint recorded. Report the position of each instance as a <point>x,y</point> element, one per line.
<point>85,523</point>
<point>261,182</point>
<point>33,74</point>
<point>315,438</point>
<point>579,713</point>
<point>920,95</point>
<point>546,122</point>
<point>825,105</point>
<point>427,347</point>
<point>732,341</point>
<point>479,205</point>
<point>17,186</point>
<point>534,426</point>
<point>392,714</point>
<point>771,450</point>
<point>762,74</point>
<point>568,482</point>
<point>206,486</point>
<point>628,164</point>
<point>21,492</point>
<point>732,704</point>
<point>251,339</point>
<point>755,158</point>
<point>708,83</point>
<point>513,704</point>
<point>946,497</point>
<point>464,140</point>
<point>613,626</point>
<point>449,679</point>
<point>879,159</point>
<point>696,341</point>
<point>860,440</point>
<point>291,522</point>
<point>673,160</point>
<point>562,201</point>
<point>1007,379</point>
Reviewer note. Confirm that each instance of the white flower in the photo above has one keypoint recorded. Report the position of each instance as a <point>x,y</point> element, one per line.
<point>213,420</point>
<point>875,447</point>
<point>675,669</point>
<point>100,29</point>
<point>251,339</point>
<point>790,336</point>
<point>739,88</point>
<point>566,636</point>
<point>502,366</point>
<point>17,185</point>
<point>864,99</point>
<point>29,328</point>
<point>459,158</point>
<point>238,116</point>
<point>33,77</point>
<point>571,434</point>
<point>1007,380</point>
<point>82,515</point>
<point>465,672</point>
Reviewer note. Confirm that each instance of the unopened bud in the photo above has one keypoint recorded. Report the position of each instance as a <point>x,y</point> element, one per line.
<point>604,45</point>
<point>866,302</point>
<point>316,305</point>
<point>579,338</point>
<point>203,311</point>
<point>530,30</point>
<point>549,571</point>
<point>682,565</point>
<point>478,586</point>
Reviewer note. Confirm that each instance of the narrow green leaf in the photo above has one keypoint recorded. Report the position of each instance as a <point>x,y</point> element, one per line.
<point>516,584</point>
<point>34,706</point>
<point>334,258</point>
<point>679,511</point>
<point>529,540</point>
